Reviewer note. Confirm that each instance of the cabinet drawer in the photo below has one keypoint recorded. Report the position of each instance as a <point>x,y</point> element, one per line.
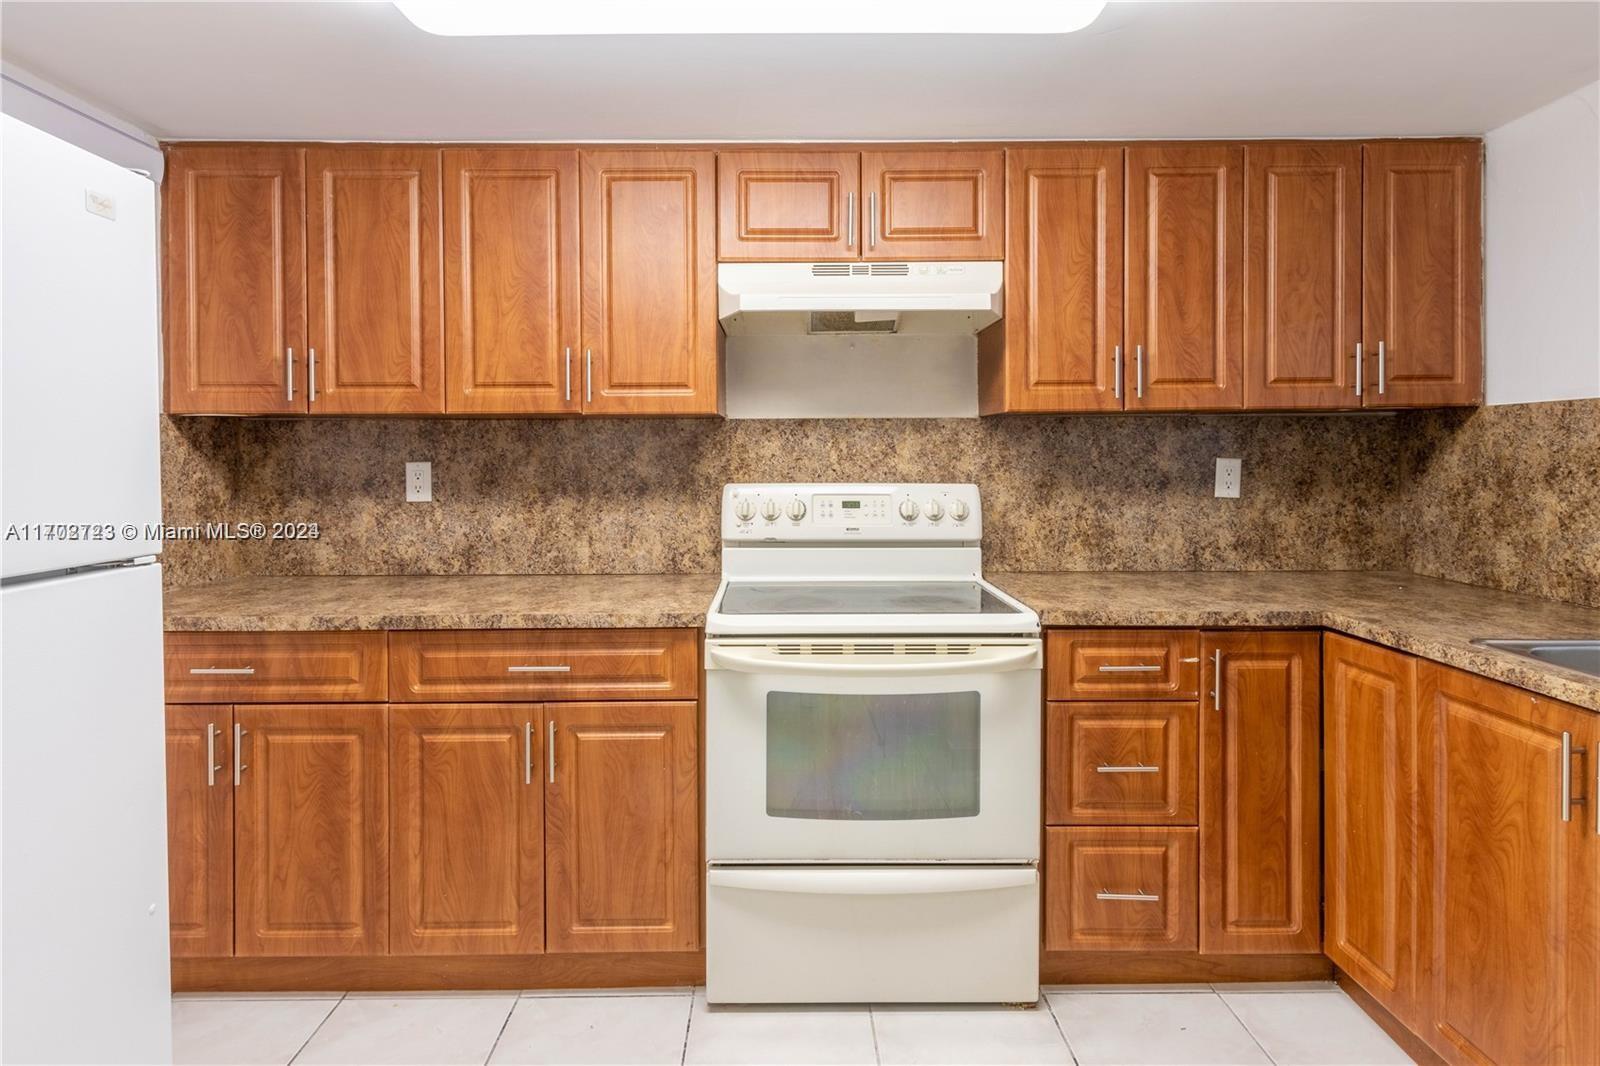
<point>1122,664</point>
<point>1120,763</point>
<point>553,664</point>
<point>1120,889</point>
<point>276,667</point>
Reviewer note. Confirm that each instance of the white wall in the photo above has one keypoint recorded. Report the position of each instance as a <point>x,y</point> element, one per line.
<point>57,112</point>
<point>1542,253</point>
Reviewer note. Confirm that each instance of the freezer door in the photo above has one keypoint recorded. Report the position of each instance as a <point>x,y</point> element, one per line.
<point>81,373</point>
<point>83,829</point>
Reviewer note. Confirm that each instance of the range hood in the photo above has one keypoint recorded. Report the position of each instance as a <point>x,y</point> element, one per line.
<point>857,298</point>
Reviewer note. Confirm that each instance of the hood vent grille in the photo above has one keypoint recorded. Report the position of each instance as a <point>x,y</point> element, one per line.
<point>846,322</point>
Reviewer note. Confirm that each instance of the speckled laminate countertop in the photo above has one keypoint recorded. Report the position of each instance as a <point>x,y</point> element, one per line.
<point>1434,619</point>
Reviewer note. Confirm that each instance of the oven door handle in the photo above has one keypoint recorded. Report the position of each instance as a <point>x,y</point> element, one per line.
<point>878,881</point>
<point>764,660</point>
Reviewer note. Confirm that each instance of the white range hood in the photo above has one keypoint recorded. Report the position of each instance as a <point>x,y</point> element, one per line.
<point>858,298</point>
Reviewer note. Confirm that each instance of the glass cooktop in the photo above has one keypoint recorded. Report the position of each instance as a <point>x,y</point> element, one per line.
<point>863,597</point>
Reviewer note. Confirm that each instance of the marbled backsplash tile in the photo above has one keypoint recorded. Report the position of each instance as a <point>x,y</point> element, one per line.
<point>1507,497</point>
<point>544,496</point>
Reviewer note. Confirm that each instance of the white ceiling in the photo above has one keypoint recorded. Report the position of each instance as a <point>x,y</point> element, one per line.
<point>361,71</point>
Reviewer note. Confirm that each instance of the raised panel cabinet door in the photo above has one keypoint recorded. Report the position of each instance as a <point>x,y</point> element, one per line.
<point>311,830</point>
<point>1059,343</point>
<point>1510,894</point>
<point>1422,266</point>
<point>622,827</point>
<point>651,341</point>
<point>1302,275</point>
<point>200,829</point>
<point>235,267</point>
<point>372,290</point>
<point>1371,789</point>
<point>510,281</point>
<point>467,866</point>
<point>788,205</point>
<point>1260,793</point>
<point>1120,763</point>
<point>1185,323</point>
<point>934,204</point>
<point>1119,888</point>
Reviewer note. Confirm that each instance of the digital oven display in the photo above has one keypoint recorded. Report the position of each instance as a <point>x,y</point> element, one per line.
<point>849,505</point>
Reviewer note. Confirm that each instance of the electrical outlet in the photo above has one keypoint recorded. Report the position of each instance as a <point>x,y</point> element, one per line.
<point>1229,474</point>
<point>419,483</point>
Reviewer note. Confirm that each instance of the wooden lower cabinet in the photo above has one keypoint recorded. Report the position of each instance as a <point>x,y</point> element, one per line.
<point>1120,889</point>
<point>622,818</point>
<point>1120,763</point>
<point>467,865</point>
<point>200,829</point>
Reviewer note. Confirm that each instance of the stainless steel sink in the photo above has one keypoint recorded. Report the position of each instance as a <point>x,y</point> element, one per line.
<point>1580,655</point>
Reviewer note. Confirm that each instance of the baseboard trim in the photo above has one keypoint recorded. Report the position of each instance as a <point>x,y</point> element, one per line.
<point>1409,1042</point>
<point>1137,967</point>
<point>427,973</point>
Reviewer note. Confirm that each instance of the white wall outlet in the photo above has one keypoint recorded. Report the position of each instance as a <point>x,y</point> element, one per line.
<point>1229,474</point>
<point>419,483</point>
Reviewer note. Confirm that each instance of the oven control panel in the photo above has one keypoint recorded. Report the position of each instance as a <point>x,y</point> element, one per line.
<point>802,513</point>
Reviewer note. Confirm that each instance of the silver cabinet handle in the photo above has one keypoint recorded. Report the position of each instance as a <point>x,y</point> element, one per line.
<point>1568,800</point>
<point>1216,679</point>
<point>238,750</point>
<point>1132,897</point>
<point>311,375</point>
<point>550,748</point>
<point>588,375</point>
<point>288,374</point>
<point>569,375</point>
<point>539,669</point>
<point>849,220</point>
<point>527,753</point>
<point>1139,769</point>
<point>211,754</point>
<point>1116,372</point>
<point>231,671</point>
<point>872,220</point>
<point>1142,668</point>
<point>1138,370</point>
<point>1359,362</point>
<point>1382,369</point>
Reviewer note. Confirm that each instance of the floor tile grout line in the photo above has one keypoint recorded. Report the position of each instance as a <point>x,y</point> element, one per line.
<point>496,1045</point>
<point>306,1042</point>
<point>1056,1018</point>
<point>1244,1025</point>
<point>872,1024</point>
<point>688,1024</point>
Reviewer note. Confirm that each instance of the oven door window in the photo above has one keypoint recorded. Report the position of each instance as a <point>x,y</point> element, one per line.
<point>872,758</point>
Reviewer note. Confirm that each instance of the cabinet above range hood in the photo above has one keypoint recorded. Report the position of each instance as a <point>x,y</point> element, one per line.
<point>823,299</point>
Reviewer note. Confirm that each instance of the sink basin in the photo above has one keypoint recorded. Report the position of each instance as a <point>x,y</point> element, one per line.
<point>1580,655</point>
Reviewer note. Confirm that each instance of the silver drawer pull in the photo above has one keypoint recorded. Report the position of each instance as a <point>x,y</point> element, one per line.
<point>1143,668</point>
<point>538,669</point>
<point>229,671</point>
<point>1140,769</point>
<point>1128,897</point>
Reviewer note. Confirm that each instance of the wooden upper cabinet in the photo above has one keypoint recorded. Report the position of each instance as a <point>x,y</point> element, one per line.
<point>788,205</point>
<point>1513,896</point>
<point>622,828</point>
<point>200,829</point>
<point>1260,789</point>
<point>1372,861</point>
<point>234,223</point>
<point>467,873</point>
<point>947,204</point>
<point>311,830</point>
<point>372,289</point>
<point>511,281</point>
<point>1422,250</point>
<point>1056,348</point>
<point>1302,275</point>
<point>1185,324</point>
<point>652,343</point>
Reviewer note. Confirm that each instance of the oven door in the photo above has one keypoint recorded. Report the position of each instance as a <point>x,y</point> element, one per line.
<point>872,750</point>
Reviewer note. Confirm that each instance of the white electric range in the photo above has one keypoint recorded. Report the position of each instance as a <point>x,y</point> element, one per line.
<point>872,753</point>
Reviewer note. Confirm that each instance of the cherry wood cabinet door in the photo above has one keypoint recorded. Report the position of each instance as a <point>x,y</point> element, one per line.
<point>1122,664</point>
<point>1260,793</point>
<point>934,204</point>
<point>651,341</point>
<point>311,830</point>
<point>780,205</point>
<point>622,827</point>
<point>1119,889</point>
<point>1302,275</point>
<point>1058,346</point>
<point>1185,321</point>
<point>1510,893</point>
<point>235,266</point>
<point>1120,763</point>
<point>510,281</point>
<point>372,285</point>
<point>1422,264</point>
<point>1372,855</point>
<point>200,829</point>
<point>468,860</point>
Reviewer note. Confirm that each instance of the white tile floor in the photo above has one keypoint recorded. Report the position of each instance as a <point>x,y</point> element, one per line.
<point>1308,1024</point>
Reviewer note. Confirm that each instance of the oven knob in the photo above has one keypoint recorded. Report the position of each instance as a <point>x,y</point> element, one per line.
<point>797,509</point>
<point>770,510</point>
<point>935,510</point>
<point>959,510</point>
<point>745,509</point>
<point>908,510</point>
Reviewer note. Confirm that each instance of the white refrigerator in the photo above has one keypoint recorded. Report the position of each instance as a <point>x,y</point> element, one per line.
<point>84,972</point>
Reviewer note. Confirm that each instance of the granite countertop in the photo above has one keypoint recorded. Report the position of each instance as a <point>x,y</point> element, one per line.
<point>1424,616</point>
